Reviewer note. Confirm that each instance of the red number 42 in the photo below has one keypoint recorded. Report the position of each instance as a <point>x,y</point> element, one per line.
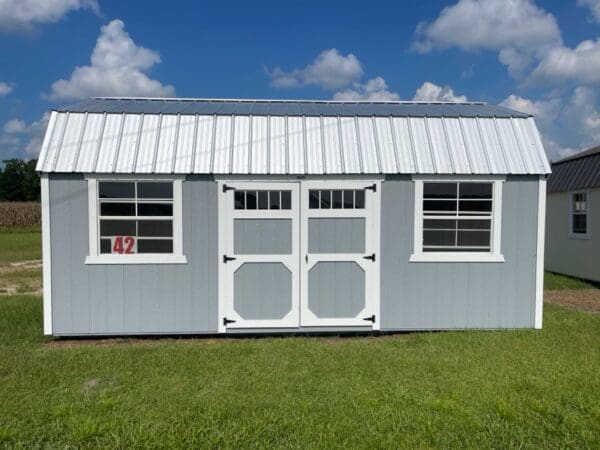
<point>123,244</point>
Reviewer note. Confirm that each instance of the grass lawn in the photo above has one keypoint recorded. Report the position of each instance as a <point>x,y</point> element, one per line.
<point>452,389</point>
<point>558,281</point>
<point>20,245</point>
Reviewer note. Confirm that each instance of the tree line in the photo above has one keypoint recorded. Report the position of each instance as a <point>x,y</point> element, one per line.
<point>19,182</point>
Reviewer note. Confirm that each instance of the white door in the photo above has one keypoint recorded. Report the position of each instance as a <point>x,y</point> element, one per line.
<point>339,260</point>
<point>259,254</point>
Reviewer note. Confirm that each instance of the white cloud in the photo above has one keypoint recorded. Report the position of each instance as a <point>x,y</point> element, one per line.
<point>23,15</point>
<point>14,126</point>
<point>21,139</point>
<point>581,64</point>
<point>375,89</point>
<point>543,110</point>
<point>430,92</point>
<point>593,5</point>
<point>329,70</point>
<point>5,88</point>
<point>117,68</point>
<point>517,29</point>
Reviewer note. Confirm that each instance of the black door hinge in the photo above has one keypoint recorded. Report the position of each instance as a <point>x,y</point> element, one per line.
<point>227,321</point>
<point>370,319</point>
<point>228,258</point>
<point>227,188</point>
<point>371,257</point>
<point>373,187</point>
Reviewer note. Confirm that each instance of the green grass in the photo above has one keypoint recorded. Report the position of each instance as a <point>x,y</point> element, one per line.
<point>452,389</point>
<point>21,281</point>
<point>558,281</point>
<point>20,245</point>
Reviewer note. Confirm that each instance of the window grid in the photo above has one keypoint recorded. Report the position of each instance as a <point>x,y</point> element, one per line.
<point>579,213</point>
<point>451,229</point>
<point>151,242</point>
<point>262,200</point>
<point>336,199</point>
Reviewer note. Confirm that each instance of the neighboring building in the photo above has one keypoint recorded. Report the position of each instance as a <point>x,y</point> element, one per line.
<point>573,223</point>
<point>248,216</point>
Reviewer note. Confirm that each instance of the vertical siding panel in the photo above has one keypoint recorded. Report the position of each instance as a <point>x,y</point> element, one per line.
<point>445,295</point>
<point>210,253</point>
<point>509,276</point>
<point>461,291</point>
<point>79,281</point>
<point>114,277</point>
<point>132,292</point>
<point>99,297</point>
<point>478,296</point>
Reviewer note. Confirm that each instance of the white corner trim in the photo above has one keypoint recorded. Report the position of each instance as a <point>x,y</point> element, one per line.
<point>46,254</point>
<point>539,270</point>
<point>139,258</point>
<point>456,257</point>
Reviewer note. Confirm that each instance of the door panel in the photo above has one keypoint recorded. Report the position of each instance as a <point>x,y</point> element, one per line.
<point>338,268</point>
<point>260,254</point>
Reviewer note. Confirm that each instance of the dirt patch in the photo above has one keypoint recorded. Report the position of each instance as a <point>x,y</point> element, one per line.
<point>587,300</point>
<point>23,277</point>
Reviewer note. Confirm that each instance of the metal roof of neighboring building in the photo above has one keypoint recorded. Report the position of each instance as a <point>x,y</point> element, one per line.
<point>290,137</point>
<point>580,171</point>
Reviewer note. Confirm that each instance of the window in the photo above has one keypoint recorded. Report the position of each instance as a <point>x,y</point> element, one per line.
<point>250,199</point>
<point>579,221</point>
<point>135,221</point>
<point>457,220</point>
<point>336,199</point>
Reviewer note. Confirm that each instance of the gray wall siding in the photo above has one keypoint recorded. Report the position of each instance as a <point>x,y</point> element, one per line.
<point>568,255</point>
<point>126,299</point>
<point>458,295</point>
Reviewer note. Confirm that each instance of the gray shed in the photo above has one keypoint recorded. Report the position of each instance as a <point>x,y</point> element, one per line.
<point>573,227</point>
<point>192,216</point>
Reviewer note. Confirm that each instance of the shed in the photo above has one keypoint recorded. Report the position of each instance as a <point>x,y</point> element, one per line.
<point>249,216</point>
<point>573,229</point>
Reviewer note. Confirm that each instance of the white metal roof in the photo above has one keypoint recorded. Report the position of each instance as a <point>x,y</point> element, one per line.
<point>459,139</point>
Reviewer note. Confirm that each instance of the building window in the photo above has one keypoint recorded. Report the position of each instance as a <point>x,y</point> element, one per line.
<point>336,199</point>
<point>135,221</point>
<point>457,220</point>
<point>579,220</point>
<point>262,199</point>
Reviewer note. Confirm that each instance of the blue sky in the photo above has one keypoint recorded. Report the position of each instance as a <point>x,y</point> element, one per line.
<point>539,56</point>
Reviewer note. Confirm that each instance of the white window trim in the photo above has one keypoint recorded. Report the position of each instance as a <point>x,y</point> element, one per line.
<point>495,255</point>
<point>587,234</point>
<point>94,257</point>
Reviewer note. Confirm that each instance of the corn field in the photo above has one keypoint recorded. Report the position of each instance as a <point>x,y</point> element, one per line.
<point>20,214</point>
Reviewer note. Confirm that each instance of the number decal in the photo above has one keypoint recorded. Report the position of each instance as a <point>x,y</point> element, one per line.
<point>123,245</point>
<point>129,241</point>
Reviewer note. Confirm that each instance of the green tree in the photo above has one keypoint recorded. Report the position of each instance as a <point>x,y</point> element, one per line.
<point>19,181</point>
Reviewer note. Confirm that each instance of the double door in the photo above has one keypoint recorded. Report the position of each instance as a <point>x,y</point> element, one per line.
<point>298,254</point>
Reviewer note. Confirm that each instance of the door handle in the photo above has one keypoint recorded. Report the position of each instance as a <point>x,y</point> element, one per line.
<point>306,259</point>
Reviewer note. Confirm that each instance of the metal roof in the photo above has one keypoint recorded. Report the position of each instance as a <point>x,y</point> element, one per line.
<point>289,107</point>
<point>247,137</point>
<point>580,171</point>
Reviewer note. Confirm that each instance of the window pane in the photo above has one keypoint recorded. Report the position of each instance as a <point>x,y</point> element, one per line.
<point>155,228</point>
<point>117,228</point>
<point>439,224</point>
<point>313,199</point>
<point>439,190</point>
<point>474,224</point>
<point>251,200</point>
<point>325,199</point>
<point>579,202</point>
<point>263,199</point>
<point>439,206</point>
<point>348,199</point>
<point>155,190</point>
<point>336,200</point>
<point>438,237</point>
<point>116,189</point>
<point>475,190</point>
<point>286,199</point>
<point>155,246</point>
<point>580,223</point>
<point>473,206</point>
<point>117,209</point>
<point>474,238</point>
<point>104,245</point>
<point>155,209</point>
<point>359,199</point>
<point>274,199</point>
<point>239,201</point>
